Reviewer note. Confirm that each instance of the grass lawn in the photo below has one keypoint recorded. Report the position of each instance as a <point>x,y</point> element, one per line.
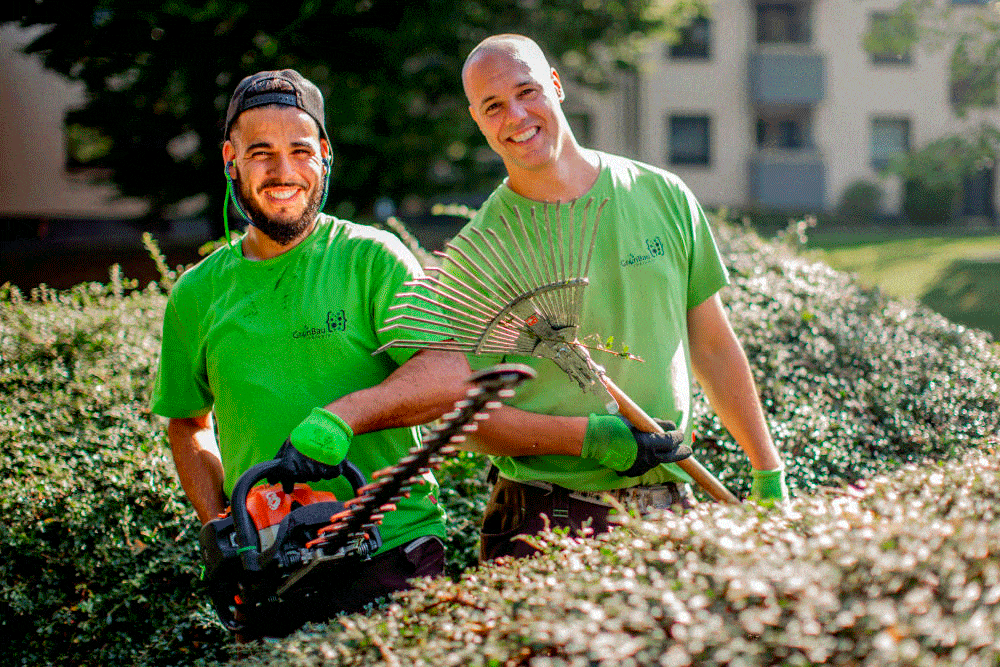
<point>955,272</point>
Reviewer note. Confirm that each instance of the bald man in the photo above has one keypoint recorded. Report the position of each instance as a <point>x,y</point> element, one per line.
<point>654,282</point>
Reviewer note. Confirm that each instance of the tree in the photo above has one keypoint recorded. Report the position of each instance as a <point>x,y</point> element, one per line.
<point>971,33</point>
<point>933,175</point>
<point>158,74</point>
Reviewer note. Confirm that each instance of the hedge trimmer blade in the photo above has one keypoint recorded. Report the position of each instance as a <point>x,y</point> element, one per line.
<point>507,295</point>
<point>391,484</point>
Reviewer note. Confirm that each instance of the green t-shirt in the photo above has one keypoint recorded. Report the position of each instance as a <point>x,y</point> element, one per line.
<point>654,259</point>
<point>261,343</point>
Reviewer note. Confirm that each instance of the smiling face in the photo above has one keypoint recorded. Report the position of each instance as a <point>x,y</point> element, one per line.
<point>277,155</point>
<point>514,97</point>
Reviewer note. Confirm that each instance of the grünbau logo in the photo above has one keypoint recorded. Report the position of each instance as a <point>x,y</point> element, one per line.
<point>336,320</point>
<point>654,248</point>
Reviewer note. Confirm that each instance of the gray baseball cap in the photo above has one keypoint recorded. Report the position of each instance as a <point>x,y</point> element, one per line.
<point>284,86</point>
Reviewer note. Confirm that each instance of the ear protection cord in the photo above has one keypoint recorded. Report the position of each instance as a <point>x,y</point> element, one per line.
<point>231,194</point>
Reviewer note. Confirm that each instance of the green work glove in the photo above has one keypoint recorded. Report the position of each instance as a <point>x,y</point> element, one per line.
<point>315,449</point>
<point>618,445</point>
<point>322,436</point>
<point>768,486</point>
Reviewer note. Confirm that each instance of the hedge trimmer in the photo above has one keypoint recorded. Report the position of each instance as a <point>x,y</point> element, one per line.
<point>269,547</point>
<point>522,294</point>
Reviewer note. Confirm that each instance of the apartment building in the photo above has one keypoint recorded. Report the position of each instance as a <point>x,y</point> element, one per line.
<point>777,105</point>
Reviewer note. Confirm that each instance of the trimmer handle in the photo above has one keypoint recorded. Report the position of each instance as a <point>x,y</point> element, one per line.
<point>248,544</point>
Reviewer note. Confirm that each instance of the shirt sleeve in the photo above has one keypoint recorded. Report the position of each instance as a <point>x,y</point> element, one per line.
<point>395,298</point>
<point>707,273</point>
<point>181,388</point>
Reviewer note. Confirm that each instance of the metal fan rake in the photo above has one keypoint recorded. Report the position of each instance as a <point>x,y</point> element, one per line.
<point>521,293</point>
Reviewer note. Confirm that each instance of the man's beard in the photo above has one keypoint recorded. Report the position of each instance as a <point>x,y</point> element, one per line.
<point>280,231</point>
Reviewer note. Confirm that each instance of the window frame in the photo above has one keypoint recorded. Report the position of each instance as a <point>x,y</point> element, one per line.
<point>676,159</point>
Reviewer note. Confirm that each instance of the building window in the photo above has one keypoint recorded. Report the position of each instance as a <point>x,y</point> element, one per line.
<point>783,23</point>
<point>791,130</point>
<point>890,137</point>
<point>690,140</point>
<point>890,39</point>
<point>694,41</point>
<point>582,125</point>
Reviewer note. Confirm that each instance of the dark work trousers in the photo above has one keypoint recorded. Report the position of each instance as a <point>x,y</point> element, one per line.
<point>516,508</point>
<point>347,588</point>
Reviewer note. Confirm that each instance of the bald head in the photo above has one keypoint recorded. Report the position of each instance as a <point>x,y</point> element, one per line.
<point>510,47</point>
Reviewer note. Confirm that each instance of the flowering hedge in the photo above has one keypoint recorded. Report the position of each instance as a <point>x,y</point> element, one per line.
<point>98,557</point>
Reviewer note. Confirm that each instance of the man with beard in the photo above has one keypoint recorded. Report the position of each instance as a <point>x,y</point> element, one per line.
<point>270,339</point>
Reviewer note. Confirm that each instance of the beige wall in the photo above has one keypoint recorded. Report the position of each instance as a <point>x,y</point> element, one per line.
<point>858,90</point>
<point>716,88</point>
<point>33,178</point>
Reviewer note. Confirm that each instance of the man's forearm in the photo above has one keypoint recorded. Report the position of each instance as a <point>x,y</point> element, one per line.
<point>199,467</point>
<point>419,391</point>
<point>513,432</point>
<point>721,368</point>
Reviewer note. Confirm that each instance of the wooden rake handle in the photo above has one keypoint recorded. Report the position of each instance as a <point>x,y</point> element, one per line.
<point>638,417</point>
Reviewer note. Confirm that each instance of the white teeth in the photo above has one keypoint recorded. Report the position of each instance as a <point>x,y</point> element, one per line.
<point>283,194</point>
<point>524,136</point>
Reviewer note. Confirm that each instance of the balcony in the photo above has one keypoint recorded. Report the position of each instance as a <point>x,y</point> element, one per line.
<point>786,75</point>
<point>788,180</point>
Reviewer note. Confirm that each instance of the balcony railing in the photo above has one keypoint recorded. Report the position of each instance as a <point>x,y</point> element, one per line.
<point>788,180</point>
<point>786,75</point>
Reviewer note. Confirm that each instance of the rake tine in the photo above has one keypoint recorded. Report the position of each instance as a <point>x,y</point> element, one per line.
<point>453,314</point>
<point>543,300</point>
<point>531,246</point>
<point>562,256</point>
<point>508,277</point>
<point>498,289</point>
<point>593,235</point>
<point>582,237</point>
<point>453,329</point>
<point>547,262</point>
<point>478,303</point>
<point>576,298</point>
<point>532,283</point>
<point>471,293</point>
<point>569,243</point>
<point>510,264</point>
<point>420,344</point>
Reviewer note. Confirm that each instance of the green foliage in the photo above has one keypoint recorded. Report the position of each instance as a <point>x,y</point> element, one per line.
<point>158,77</point>
<point>860,203</point>
<point>947,161</point>
<point>98,559</point>
<point>970,31</point>
<point>974,79</point>
<point>464,492</point>
<point>97,544</point>
<point>933,175</point>
<point>893,35</point>
<point>853,383</point>
<point>896,571</point>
